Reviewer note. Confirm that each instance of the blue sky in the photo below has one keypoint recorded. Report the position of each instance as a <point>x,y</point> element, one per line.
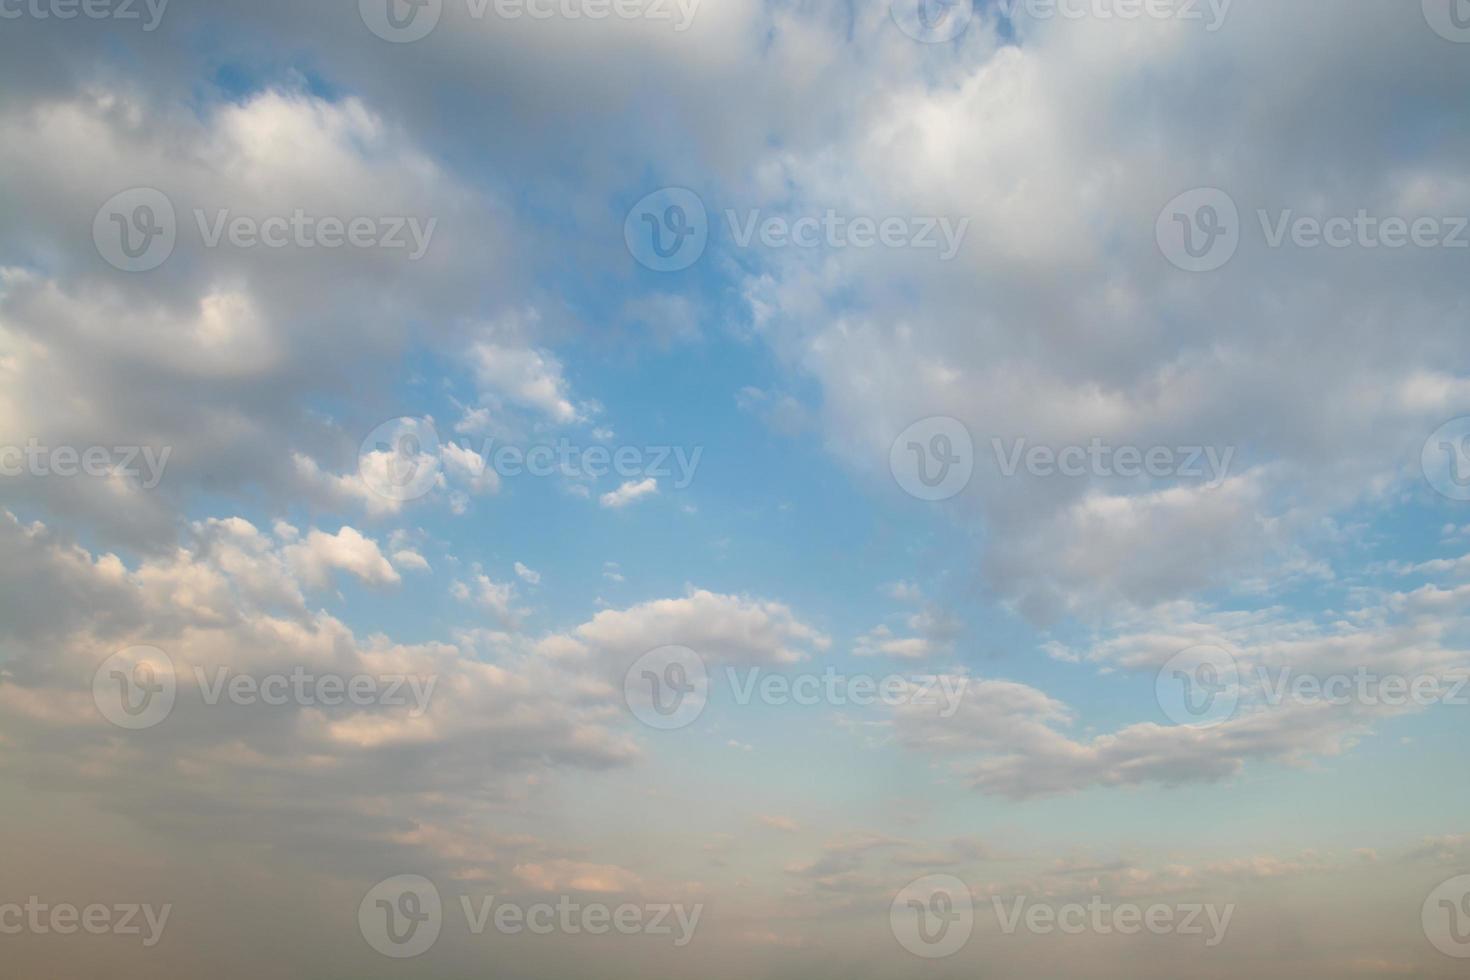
<point>1071,213</point>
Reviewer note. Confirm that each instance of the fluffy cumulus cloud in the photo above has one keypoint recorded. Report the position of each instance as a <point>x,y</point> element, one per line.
<point>1301,690</point>
<point>1059,321</point>
<point>246,527</point>
<point>213,360</point>
<point>231,602</point>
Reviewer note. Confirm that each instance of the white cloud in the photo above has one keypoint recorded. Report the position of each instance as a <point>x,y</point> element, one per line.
<point>629,492</point>
<point>722,628</point>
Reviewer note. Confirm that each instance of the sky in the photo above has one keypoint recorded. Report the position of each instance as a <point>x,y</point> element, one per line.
<point>513,488</point>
